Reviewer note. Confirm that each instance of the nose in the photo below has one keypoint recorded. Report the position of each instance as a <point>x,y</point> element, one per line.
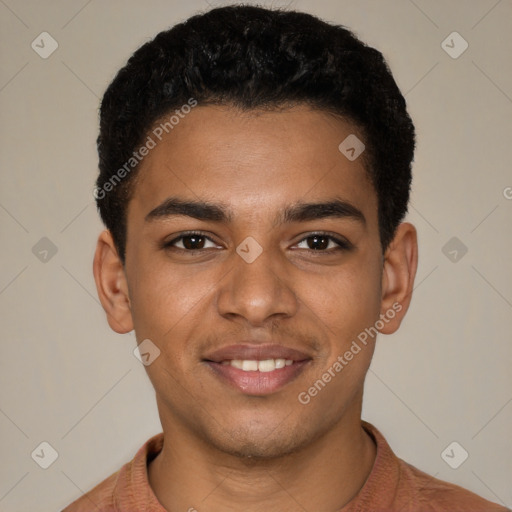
<point>257,290</point>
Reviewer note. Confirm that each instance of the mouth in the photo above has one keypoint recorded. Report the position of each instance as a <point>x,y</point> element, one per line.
<point>257,369</point>
<point>253,365</point>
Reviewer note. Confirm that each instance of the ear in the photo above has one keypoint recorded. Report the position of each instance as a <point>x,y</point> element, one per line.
<point>400,264</point>
<point>112,285</point>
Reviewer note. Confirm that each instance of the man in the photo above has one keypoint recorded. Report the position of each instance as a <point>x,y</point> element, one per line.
<point>255,167</point>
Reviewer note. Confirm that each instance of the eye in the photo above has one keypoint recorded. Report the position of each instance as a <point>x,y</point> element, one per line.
<point>323,242</point>
<point>317,242</point>
<point>190,241</point>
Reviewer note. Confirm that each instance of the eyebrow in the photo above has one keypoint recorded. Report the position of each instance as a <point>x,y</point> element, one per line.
<point>217,212</point>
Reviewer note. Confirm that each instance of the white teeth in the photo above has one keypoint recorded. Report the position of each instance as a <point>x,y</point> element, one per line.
<point>267,366</point>
<point>251,365</point>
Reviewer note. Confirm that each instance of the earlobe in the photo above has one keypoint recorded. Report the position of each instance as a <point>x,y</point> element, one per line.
<point>400,264</point>
<point>111,284</point>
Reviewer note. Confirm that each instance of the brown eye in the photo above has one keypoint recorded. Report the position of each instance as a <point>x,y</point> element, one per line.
<point>322,242</point>
<point>318,242</point>
<point>190,242</point>
<point>193,242</point>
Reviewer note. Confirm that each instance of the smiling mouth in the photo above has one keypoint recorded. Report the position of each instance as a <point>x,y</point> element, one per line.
<point>257,377</point>
<point>252,365</point>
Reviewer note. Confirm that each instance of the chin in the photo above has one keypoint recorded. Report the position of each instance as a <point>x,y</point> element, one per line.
<point>265,449</point>
<point>260,443</point>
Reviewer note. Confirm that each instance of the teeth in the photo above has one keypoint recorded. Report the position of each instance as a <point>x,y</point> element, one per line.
<point>249,366</point>
<point>268,365</point>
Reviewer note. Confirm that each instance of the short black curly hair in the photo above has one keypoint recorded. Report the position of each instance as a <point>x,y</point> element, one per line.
<point>252,57</point>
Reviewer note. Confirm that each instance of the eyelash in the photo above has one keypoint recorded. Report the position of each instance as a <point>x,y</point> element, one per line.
<point>343,245</point>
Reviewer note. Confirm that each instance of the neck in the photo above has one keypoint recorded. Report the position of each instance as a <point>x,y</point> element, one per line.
<point>324,476</point>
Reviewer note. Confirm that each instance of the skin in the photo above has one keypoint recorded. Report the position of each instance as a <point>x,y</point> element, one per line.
<point>225,450</point>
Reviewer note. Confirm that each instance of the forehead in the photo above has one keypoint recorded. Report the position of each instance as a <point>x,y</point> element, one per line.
<point>254,161</point>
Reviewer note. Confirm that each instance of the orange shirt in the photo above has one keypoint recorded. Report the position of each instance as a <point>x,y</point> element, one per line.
<point>392,486</point>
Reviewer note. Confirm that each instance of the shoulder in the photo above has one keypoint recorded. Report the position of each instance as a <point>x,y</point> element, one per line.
<point>126,489</point>
<point>423,492</point>
<point>100,498</point>
<point>395,485</point>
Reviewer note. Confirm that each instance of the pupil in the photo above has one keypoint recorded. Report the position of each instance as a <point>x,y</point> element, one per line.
<point>190,241</point>
<point>316,238</point>
<point>319,242</point>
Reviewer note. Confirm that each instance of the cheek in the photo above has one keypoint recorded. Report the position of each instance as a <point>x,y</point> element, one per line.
<point>349,300</point>
<point>348,306</point>
<point>161,297</point>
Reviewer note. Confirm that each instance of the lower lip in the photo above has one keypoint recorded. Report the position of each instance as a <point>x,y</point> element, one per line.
<point>258,383</point>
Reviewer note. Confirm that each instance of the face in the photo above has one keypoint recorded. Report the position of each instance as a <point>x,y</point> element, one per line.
<point>252,238</point>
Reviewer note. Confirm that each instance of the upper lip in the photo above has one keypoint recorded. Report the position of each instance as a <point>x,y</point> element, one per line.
<point>253,352</point>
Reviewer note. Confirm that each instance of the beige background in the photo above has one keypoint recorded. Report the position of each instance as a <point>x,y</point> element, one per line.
<point>66,379</point>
